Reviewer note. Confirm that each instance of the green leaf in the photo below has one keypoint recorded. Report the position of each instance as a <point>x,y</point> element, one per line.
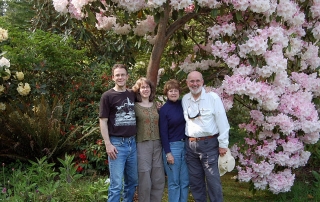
<point>157,17</point>
<point>175,14</point>
<point>214,13</point>
<point>239,16</point>
<point>253,60</point>
<point>91,17</point>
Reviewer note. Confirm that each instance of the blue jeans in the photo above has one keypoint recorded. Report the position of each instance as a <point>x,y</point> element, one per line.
<point>123,169</point>
<point>177,173</point>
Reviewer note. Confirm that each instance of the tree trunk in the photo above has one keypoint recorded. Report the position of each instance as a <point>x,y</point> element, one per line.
<point>163,35</point>
<point>158,48</point>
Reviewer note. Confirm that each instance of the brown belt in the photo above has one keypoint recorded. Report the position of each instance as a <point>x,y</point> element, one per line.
<point>196,139</point>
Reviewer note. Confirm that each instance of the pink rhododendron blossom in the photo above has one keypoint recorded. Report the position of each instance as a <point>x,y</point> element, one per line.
<point>268,54</point>
<point>308,82</point>
<point>244,175</point>
<point>122,30</point>
<point>310,138</point>
<point>189,9</point>
<point>262,169</point>
<point>132,6</point>
<point>233,61</point>
<point>155,3</point>
<point>316,30</point>
<point>292,145</point>
<point>260,183</point>
<point>241,5</point>
<point>310,126</point>
<point>180,4</point>
<point>280,158</point>
<point>267,148</point>
<point>259,6</point>
<point>105,23</point>
<point>60,5</point>
<point>268,134</point>
<point>315,9</point>
<point>283,121</point>
<point>209,3</point>
<point>256,45</point>
<point>281,181</point>
<point>144,26</point>
<point>224,29</point>
<point>257,116</point>
<point>243,70</point>
<point>310,57</point>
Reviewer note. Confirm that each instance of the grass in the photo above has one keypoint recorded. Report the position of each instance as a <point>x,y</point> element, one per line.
<point>234,191</point>
<point>93,189</point>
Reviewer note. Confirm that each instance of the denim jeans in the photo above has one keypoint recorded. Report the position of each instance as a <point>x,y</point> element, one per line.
<point>177,173</point>
<point>202,160</point>
<point>123,170</point>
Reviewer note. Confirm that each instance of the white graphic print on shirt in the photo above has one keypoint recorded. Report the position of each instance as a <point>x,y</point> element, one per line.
<point>125,115</point>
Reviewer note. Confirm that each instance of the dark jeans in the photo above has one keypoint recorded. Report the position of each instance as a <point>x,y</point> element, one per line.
<point>202,160</point>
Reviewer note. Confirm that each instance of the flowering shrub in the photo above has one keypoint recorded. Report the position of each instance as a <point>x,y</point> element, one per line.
<point>268,54</point>
<point>58,73</point>
<point>9,80</point>
<point>93,157</point>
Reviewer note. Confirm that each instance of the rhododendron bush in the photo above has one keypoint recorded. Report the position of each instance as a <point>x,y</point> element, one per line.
<point>271,49</point>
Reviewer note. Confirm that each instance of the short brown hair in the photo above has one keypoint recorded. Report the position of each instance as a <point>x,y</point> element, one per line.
<point>115,66</point>
<point>171,84</point>
<point>136,88</point>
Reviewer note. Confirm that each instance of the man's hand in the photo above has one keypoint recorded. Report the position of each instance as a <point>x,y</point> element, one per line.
<point>222,151</point>
<point>111,151</point>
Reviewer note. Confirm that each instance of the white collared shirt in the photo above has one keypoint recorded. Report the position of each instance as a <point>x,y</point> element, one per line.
<point>213,118</point>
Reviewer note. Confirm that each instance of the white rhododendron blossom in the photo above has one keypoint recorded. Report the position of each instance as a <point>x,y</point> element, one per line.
<point>2,106</point>
<point>20,76</point>
<point>3,34</point>
<point>1,89</point>
<point>23,89</point>
<point>4,62</point>
<point>8,74</point>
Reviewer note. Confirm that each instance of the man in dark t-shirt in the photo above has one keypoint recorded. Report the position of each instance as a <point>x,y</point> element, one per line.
<point>118,128</point>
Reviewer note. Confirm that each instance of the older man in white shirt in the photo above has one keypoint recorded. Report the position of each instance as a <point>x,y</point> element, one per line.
<point>208,130</point>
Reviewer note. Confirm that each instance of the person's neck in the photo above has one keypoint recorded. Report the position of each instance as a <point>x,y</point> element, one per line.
<point>196,96</point>
<point>145,100</point>
<point>120,88</point>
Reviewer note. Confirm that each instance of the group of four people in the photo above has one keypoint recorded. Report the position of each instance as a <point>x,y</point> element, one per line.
<point>182,141</point>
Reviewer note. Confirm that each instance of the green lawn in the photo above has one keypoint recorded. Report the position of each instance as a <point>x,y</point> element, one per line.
<point>234,191</point>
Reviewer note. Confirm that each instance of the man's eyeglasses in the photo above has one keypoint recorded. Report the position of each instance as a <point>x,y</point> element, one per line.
<point>197,115</point>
